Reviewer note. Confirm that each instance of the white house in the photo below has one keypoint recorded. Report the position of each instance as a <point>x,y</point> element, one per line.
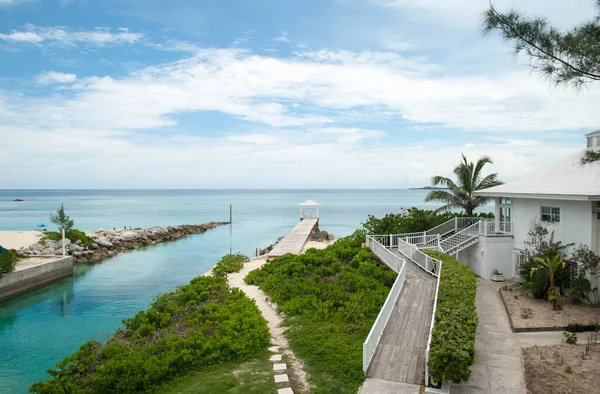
<point>565,196</point>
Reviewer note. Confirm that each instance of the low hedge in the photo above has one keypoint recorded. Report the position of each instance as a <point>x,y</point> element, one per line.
<point>229,263</point>
<point>201,324</point>
<point>72,235</point>
<point>452,349</point>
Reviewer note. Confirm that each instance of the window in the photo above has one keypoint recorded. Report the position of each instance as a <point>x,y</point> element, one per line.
<point>550,214</point>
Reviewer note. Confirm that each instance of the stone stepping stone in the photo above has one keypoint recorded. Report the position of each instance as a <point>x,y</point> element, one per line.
<point>281,378</point>
<point>275,357</point>
<point>287,390</point>
<point>279,367</point>
<point>274,349</point>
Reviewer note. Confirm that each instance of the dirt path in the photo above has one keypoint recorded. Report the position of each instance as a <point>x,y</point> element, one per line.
<point>274,320</point>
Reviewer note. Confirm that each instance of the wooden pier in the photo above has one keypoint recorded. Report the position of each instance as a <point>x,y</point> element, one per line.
<point>295,239</point>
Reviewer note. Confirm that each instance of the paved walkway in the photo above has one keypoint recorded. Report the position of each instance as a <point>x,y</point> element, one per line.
<point>295,239</point>
<point>497,367</point>
<point>400,354</point>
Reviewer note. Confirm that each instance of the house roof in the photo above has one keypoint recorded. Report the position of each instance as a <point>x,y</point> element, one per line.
<point>309,203</point>
<point>593,133</point>
<point>569,180</point>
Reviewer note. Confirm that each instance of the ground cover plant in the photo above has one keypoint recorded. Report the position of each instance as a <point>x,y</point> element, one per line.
<point>453,339</point>
<point>200,324</point>
<point>229,263</point>
<point>254,376</point>
<point>331,298</point>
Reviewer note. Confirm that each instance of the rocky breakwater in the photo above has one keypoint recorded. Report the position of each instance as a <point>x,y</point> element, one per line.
<point>107,243</point>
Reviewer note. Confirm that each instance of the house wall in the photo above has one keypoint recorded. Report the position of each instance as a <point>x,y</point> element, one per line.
<point>577,221</point>
<point>490,253</point>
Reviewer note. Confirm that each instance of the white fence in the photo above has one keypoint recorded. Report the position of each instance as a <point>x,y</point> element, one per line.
<point>390,259</point>
<point>370,344</point>
<point>398,265</point>
<point>437,289</point>
<point>411,252</point>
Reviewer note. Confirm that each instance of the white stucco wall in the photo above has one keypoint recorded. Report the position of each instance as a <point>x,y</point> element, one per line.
<point>491,252</point>
<point>577,221</point>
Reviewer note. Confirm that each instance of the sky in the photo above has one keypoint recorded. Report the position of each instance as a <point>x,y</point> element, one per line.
<point>274,93</point>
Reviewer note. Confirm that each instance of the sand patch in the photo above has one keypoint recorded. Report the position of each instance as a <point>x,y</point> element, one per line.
<point>19,239</point>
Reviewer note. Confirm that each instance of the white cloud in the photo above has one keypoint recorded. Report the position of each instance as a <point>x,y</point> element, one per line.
<point>283,37</point>
<point>62,35</point>
<point>13,2</point>
<point>315,88</point>
<point>258,139</point>
<point>466,13</point>
<point>51,77</point>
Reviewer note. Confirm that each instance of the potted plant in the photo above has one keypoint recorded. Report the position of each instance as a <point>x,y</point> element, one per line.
<point>497,276</point>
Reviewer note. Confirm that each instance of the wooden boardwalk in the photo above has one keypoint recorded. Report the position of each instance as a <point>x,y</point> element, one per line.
<point>400,355</point>
<point>295,239</point>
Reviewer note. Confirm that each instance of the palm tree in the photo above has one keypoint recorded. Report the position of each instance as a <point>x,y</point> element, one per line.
<point>460,194</point>
<point>550,265</point>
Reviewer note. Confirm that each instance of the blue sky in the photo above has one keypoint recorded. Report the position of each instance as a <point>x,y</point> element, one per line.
<point>266,93</point>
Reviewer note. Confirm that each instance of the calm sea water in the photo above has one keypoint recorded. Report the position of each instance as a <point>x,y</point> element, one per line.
<point>40,328</point>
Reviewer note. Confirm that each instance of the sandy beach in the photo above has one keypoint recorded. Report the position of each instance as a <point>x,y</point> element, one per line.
<point>18,239</point>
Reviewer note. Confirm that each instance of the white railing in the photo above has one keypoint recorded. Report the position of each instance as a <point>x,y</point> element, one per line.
<point>370,344</point>
<point>412,253</point>
<point>397,264</point>
<point>309,215</point>
<point>491,227</point>
<point>460,237</point>
<point>444,228</point>
<point>437,289</point>
<point>391,259</point>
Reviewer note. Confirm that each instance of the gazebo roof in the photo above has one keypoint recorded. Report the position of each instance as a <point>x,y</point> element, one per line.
<point>309,203</point>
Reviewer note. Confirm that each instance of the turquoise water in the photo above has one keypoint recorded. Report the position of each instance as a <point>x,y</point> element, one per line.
<point>40,328</point>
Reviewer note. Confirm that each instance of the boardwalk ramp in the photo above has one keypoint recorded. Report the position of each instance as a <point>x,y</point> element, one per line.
<point>295,239</point>
<point>400,354</point>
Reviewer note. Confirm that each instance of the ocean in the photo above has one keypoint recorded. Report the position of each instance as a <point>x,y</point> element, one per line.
<point>40,328</point>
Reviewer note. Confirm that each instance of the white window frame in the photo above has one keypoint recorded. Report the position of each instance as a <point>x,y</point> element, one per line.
<point>554,216</point>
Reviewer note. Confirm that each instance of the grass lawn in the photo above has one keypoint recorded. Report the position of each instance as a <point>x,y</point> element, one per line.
<point>253,377</point>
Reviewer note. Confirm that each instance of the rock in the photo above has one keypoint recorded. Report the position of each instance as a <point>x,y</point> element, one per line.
<point>48,251</point>
<point>34,247</point>
<point>78,242</point>
<point>101,241</point>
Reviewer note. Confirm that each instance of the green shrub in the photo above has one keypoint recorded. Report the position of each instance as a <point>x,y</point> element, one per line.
<point>229,263</point>
<point>200,324</point>
<point>73,235</point>
<point>452,349</point>
<point>7,263</point>
<point>331,298</point>
<point>411,220</point>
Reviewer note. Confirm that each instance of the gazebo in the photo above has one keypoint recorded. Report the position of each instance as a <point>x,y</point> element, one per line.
<point>313,209</point>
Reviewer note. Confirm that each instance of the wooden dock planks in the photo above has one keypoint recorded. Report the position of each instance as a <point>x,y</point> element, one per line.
<point>400,355</point>
<point>295,239</point>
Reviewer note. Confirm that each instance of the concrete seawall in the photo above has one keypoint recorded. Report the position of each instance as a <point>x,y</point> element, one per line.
<point>20,281</point>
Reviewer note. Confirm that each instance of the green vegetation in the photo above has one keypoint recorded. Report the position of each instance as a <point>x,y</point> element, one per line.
<point>73,235</point>
<point>453,339</point>
<point>411,220</point>
<point>548,266</point>
<point>201,324</point>
<point>460,195</point>
<point>564,57</point>
<point>247,377</point>
<point>570,278</point>
<point>331,298</point>
<point>61,219</point>
<point>7,263</point>
<point>229,263</point>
